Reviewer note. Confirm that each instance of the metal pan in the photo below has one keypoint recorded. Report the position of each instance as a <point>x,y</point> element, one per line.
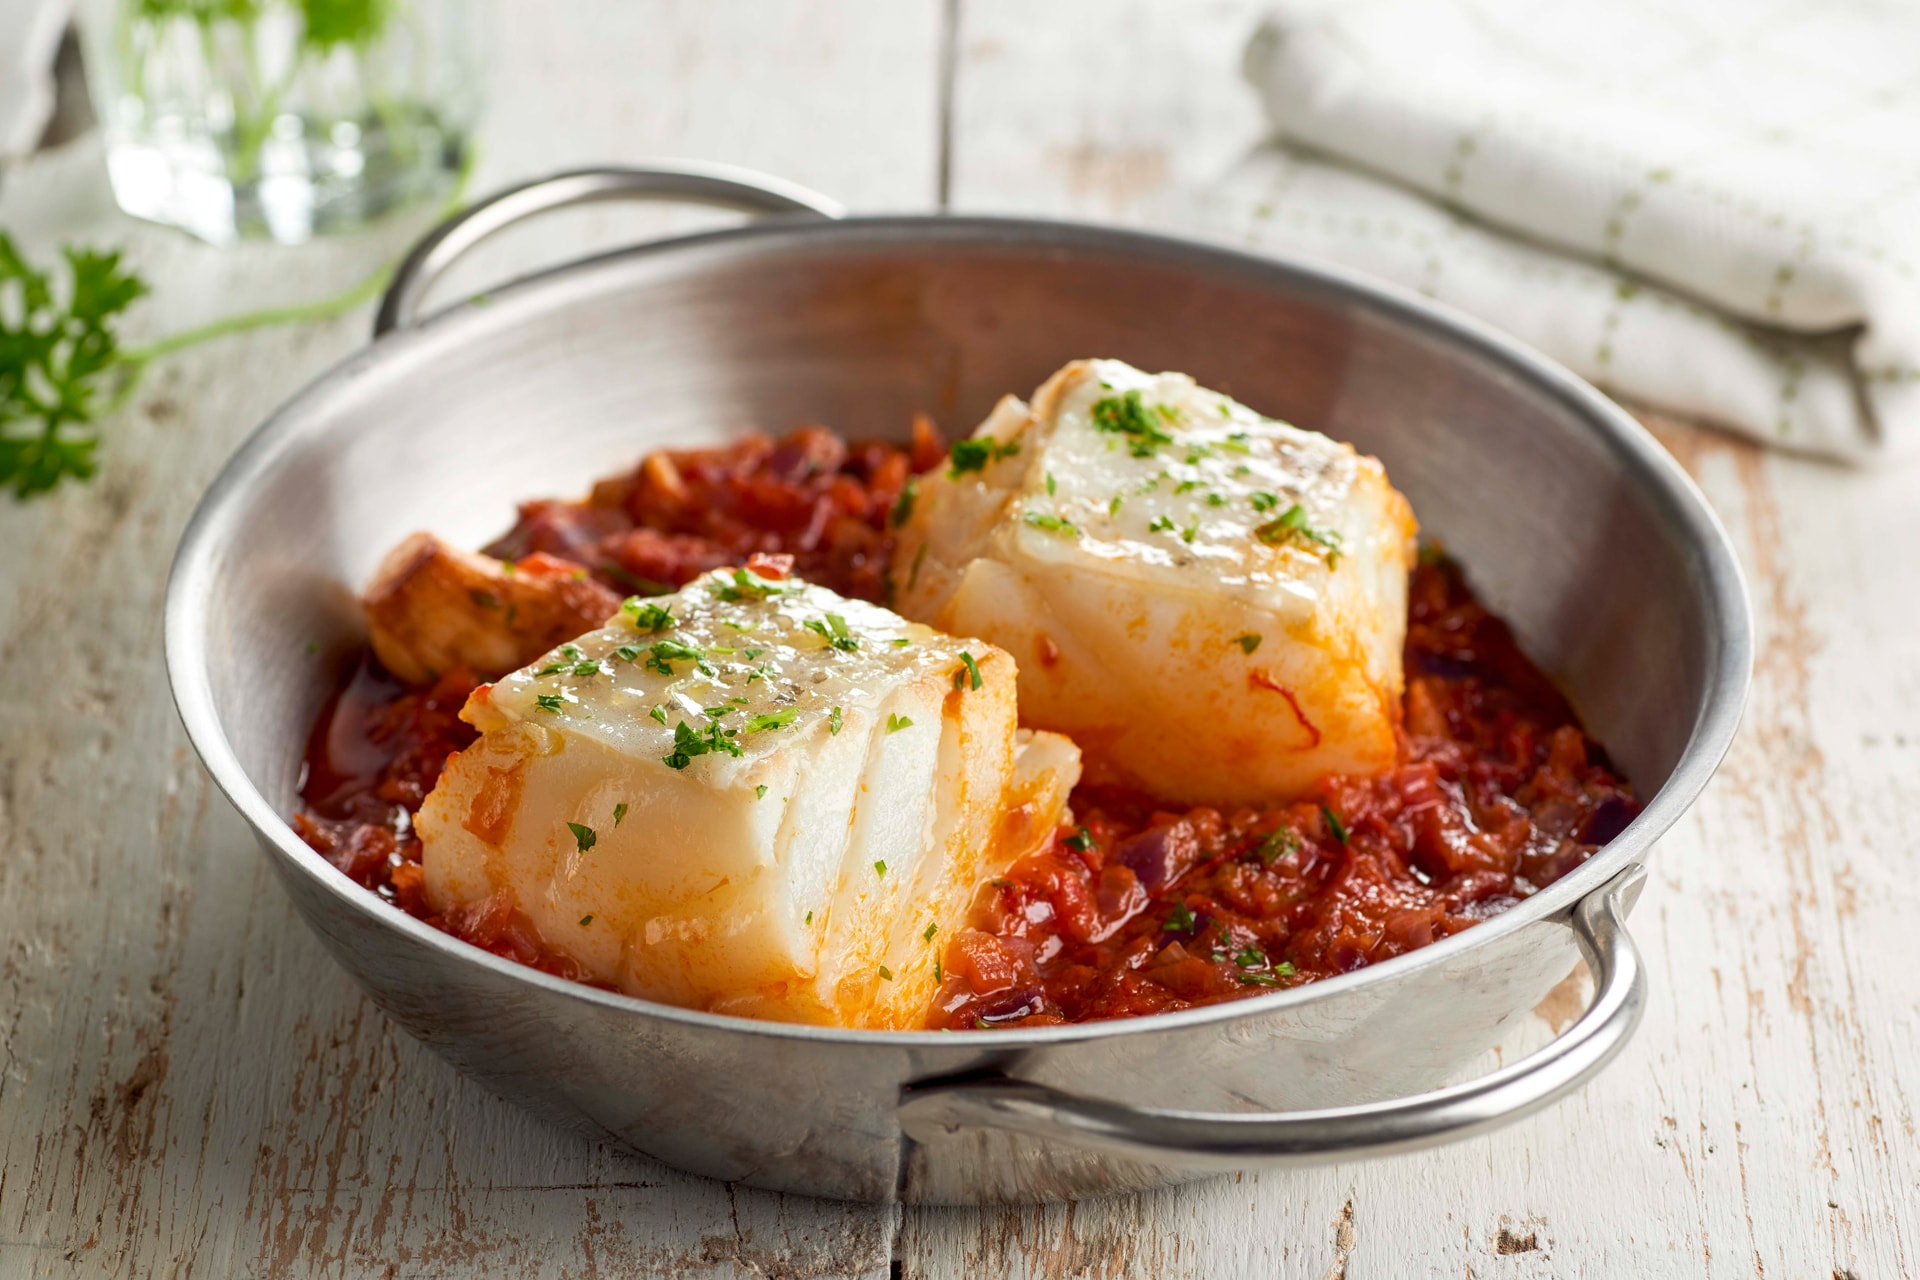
<point>1571,520</point>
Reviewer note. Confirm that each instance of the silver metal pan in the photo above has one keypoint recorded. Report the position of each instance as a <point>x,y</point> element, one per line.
<point>1572,522</point>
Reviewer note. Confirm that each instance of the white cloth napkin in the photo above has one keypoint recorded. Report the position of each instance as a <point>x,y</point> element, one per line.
<point>1712,206</point>
<point>29,37</point>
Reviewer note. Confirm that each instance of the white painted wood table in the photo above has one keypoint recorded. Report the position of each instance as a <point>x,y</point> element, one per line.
<point>188,1087</point>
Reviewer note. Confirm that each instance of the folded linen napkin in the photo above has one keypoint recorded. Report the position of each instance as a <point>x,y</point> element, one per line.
<point>1712,206</point>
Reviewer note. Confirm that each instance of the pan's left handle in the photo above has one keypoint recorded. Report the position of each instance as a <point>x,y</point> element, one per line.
<point>719,185</point>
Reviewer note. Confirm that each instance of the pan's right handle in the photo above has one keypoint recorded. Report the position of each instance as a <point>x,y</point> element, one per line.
<point>719,185</point>
<point>1234,1140</point>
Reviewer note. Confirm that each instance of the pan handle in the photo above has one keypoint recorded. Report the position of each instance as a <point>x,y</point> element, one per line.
<point>1229,1140</point>
<point>722,186</point>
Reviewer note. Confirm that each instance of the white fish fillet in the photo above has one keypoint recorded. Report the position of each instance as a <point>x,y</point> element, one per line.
<point>811,868</point>
<point>1211,603</point>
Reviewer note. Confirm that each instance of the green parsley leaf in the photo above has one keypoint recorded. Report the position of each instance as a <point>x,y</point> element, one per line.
<point>1263,501</point>
<point>1248,642</point>
<point>834,630</point>
<point>55,361</point>
<point>834,722</point>
<point>620,813</point>
<point>583,836</point>
<point>689,742</point>
<point>1052,524</point>
<point>928,935</point>
<point>1258,980</point>
<point>809,917</point>
<point>1193,527</point>
<point>1113,507</point>
<point>553,702</point>
<point>969,678</point>
<point>760,792</point>
<point>1291,526</point>
<point>745,584</point>
<point>974,454</point>
<point>880,867</point>
<point>1251,957</point>
<point>1050,484</point>
<point>1278,844</point>
<point>938,977</point>
<point>886,973</point>
<point>771,720</point>
<point>1080,841</point>
<point>1125,415</point>
<point>647,616</point>
<point>664,653</point>
<point>895,723</point>
<point>1160,524</point>
<point>659,713</point>
<point>903,505</point>
<point>1334,824</point>
<point>1180,921</point>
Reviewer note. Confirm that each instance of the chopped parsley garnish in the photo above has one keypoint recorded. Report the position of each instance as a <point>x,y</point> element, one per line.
<point>1226,410</point>
<point>1264,501</point>
<point>1050,484</point>
<point>771,720</point>
<point>554,702</point>
<point>1193,527</point>
<point>970,678</point>
<point>880,867</point>
<point>1126,415</point>
<point>899,642</point>
<point>583,836</point>
<point>895,723</point>
<point>1258,980</point>
<point>714,713</point>
<point>629,652</point>
<point>647,616</point>
<point>1080,841</point>
<point>1197,453</point>
<point>1291,525</point>
<point>1248,642</point>
<point>834,631</point>
<point>886,973</point>
<point>928,935</point>
<point>664,653</point>
<point>903,505</point>
<point>1113,508</point>
<point>1334,824</point>
<point>1160,524</point>
<point>809,917</point>
<point>1251,957</point>
<point>620,813</point>
<point>688,743</point>
<point>1187,486</point>
<point>1180,921</point>
<point>658,713</point>
<point>586,920</point>
<point>745,584</point>
<point>1052,524</point>
<point>760,792</point>
<point>759,673</point>
<point>834,722</point>
<point>975,454</point>
<point>937,975</point>
<point>1236,442</point>
<point>1216,499</point>
<point>1278,844</point>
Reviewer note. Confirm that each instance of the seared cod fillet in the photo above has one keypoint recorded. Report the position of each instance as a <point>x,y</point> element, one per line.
<point>1210,603</point>
<point>752,796</point>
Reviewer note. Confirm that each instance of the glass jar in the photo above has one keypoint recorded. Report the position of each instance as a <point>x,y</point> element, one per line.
<point>282,119</point>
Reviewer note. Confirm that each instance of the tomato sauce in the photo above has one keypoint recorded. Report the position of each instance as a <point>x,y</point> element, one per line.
<point>1136,909</point>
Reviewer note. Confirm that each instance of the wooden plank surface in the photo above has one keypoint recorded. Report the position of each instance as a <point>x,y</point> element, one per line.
<point>189,1087</point>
